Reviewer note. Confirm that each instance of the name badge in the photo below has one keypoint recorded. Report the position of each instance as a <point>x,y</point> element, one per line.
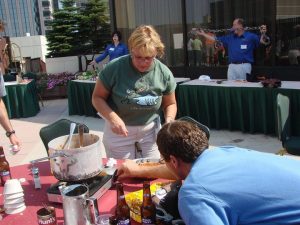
<point>243,46</point>
<point>111,49</point>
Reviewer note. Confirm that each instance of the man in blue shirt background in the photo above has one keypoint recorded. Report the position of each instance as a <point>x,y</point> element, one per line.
<point>114,50</point>
<point>240,45</point>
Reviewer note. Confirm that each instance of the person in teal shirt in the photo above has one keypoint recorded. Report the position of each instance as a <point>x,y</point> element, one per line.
<point>129,94</point>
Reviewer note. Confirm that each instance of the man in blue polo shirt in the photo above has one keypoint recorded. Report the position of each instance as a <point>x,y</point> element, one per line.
<point>224,185</point>
<point>240,45</point>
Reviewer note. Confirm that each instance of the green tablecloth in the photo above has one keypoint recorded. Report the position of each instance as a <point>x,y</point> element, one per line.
<point>80,98</point>
<point>21,99</point>
<point>248,109</point>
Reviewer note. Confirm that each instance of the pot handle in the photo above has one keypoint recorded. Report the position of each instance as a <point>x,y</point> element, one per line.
<point>93,209</point>
<point>55,155</point>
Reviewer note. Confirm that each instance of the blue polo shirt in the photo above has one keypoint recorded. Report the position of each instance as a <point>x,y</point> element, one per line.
<point>235,186</point>
<point>113,52</point>
<point>240,48</point>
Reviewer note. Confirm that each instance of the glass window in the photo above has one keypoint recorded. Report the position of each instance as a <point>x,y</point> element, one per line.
<point>46,13</point>
<point>216,17</point>
<point>287,42</point>
<point>47,22</point>
<point>45,3</point>
<point>165,16</point>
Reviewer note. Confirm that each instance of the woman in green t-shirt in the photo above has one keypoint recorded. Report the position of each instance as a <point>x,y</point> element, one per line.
<point>129,94</point>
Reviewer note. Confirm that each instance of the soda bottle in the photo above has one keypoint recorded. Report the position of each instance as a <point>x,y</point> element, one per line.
<point>4,168</point>
<point>148,209</point>
<point>122,209</point>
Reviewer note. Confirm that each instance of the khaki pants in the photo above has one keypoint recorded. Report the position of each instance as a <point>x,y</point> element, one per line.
<point>238,71</point>
<point>120,147</point>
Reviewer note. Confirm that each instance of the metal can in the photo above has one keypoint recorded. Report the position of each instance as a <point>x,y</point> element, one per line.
<point>46,216</point>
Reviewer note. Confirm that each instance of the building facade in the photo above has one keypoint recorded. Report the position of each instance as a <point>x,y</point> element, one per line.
<point>29,17</point>
<point>21,17</point>
<point>175,19</point>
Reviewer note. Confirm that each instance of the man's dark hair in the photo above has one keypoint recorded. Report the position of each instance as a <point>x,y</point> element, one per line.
<point>181,139</point>
<point>241,21</point>
<point>118,33</point>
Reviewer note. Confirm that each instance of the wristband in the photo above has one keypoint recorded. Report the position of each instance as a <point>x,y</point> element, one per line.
<point>9,133</point>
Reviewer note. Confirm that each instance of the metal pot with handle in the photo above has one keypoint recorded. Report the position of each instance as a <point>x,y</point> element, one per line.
<point>81,161</point>
<point>79,209</point>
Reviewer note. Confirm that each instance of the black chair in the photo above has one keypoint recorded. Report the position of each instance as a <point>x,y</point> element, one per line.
<point>57,129</point>
<point>290,143</point>
<point>200,125</point>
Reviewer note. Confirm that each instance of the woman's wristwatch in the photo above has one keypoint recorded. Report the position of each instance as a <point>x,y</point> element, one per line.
<point>9,133</point>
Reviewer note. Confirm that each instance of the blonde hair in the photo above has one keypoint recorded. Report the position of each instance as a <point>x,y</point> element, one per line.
<point>147,40</point>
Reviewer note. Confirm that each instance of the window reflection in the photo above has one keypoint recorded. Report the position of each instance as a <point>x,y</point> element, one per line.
<point>287,45</point>
<point>164,15</point>
<point>216,16</point>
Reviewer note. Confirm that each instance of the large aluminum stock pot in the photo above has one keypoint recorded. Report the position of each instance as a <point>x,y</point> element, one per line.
<point>76,163</point>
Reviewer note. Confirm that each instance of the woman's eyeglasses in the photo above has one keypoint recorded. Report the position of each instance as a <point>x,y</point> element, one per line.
<point>143,59</point>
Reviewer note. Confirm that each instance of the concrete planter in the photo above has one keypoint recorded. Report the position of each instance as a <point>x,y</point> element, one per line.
<point>56,92</point>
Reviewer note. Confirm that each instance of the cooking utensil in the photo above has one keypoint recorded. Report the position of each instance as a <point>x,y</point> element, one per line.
<point>72,129</point>
<point>138,150</point>
<point>79,208</point>
<point>80,132</point>
<point>81,163</point>
<point>47,207</point>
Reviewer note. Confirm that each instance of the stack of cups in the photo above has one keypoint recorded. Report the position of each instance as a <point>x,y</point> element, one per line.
<point>13,197</point>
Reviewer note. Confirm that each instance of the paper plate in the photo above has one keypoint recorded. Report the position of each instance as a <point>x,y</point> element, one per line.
<point>148,161</point>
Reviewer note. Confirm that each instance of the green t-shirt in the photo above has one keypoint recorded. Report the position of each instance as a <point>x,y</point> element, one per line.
<point>136,97</point>
<point>197,44</point>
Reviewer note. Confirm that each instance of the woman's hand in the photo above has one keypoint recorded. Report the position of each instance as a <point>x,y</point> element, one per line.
<point>118,126</point>
<point>93,63</point>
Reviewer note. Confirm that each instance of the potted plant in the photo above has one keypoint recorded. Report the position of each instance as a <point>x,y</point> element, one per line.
<point>88,75</point>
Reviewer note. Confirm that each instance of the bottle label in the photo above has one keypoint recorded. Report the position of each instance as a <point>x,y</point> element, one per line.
<point>5,175</point>
<point>147,221</point>
<point>124,222</point>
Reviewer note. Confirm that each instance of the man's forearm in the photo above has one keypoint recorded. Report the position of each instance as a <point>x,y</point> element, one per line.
<point>4,120</point>
<point>212,38</point>
<point>160,171</point>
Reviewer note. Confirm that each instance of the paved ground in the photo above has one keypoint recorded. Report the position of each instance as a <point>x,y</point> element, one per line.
<point>28,129</point>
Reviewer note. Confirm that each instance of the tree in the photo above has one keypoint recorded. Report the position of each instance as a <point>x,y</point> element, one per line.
<point>79,30</point>
<point>94,26</point>
<point>61,38</point>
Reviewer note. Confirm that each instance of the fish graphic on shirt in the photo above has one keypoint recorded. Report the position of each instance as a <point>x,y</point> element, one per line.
<point>147,100</point>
